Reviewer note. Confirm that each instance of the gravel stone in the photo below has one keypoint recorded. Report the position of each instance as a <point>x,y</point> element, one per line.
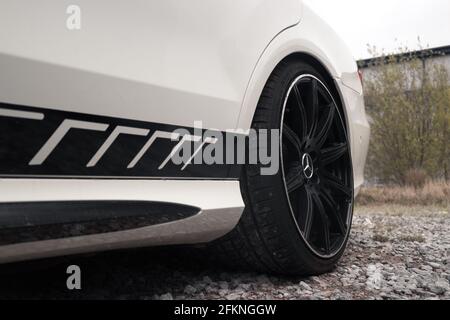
<point>233,296</point>
<point>190,289</point>
<point>435,265</point>
<point>167,296</point>
<point>223,285</point>
<point>305,286</point>
<point>440,287</point>
<point>413,263</point>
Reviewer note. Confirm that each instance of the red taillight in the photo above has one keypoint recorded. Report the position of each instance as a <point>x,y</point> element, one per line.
<point>360,74</point>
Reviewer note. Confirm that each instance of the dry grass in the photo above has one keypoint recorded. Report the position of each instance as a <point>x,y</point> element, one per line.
<point>431,194</point>
<point>380,238</point>
<point>416,178</point>
<point>413,238</point>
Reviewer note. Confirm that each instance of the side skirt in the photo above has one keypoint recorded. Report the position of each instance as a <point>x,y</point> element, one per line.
<point>38,221</point>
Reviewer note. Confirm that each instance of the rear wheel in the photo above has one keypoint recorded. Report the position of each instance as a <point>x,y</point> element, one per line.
<point>297,221</point>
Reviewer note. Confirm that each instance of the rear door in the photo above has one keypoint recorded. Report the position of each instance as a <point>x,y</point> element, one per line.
<point>165,61</point>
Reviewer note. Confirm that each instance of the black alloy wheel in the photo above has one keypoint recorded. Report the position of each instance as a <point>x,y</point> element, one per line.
<point>315,165</point>
<point>297,221</point>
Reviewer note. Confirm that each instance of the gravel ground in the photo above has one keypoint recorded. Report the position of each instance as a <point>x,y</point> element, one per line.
<point>393,253</point>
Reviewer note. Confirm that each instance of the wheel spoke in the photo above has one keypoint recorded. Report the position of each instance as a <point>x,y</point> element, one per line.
<point>329,198</point>
<point>336,184</point>
<point>333,153</point>
<point>313,102</point>
<point>326,231</point>
<point>334,209</point>
<point>295,180</point>
<point>324,125</point>
<point>325,222</point>
<point>292,137</point>
<point>325,96</point>
<point>308,215</point>
<point>302,110</point>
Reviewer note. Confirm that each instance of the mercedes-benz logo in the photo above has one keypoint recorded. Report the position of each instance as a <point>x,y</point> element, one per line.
<point>307,164</point>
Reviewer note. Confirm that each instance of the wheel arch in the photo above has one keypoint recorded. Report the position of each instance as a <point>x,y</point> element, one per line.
<point>249,108</point>
<point>329,80</point>
<point>321,68</point>
<point>312,40</point>
<point>335,66</point>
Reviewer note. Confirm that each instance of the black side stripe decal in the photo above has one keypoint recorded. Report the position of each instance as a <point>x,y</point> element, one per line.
<point>40,142</point>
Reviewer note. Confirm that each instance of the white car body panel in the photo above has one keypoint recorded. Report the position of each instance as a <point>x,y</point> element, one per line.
<point>173,62</point>
<point>220,201</point>
<point>122,64</point>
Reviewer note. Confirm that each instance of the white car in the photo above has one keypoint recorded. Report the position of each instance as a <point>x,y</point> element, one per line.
<point>97,99</point>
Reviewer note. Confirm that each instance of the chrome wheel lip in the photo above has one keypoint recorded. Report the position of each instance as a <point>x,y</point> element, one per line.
<point>351,206</point>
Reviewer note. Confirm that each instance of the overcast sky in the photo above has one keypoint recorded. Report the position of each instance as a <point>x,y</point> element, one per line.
<point>387,23</point>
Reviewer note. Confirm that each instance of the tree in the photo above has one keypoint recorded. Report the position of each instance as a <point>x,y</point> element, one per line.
<point>408,99</point>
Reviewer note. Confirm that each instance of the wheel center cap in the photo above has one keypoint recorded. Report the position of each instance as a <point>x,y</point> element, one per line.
<point>307,164</point>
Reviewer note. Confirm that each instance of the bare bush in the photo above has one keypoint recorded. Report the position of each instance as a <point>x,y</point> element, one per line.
<point>415,178</point>
<point>408,100</point>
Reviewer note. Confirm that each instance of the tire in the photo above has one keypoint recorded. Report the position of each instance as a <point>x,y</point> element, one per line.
<point>268,237</point>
